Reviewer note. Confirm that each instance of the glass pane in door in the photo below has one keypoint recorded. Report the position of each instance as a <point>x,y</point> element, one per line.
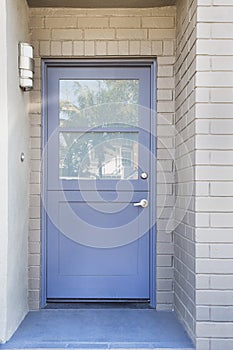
<point>94,103</point>
<point>98,155</point>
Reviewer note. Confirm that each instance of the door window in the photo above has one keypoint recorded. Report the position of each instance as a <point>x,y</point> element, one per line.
<point>96,103</point>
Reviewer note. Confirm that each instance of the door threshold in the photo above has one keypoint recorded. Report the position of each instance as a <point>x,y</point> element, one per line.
<point>98,305</point>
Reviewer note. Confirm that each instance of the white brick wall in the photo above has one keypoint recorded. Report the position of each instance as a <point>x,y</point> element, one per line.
<point>101,32</point>
<point>184,235</point>
<point>214,171</point>
<point>207,81</point>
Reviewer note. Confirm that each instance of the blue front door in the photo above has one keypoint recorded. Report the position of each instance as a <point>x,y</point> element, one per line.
<point>98,182</point>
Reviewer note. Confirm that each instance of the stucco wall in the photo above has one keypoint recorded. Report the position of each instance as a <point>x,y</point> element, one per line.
<point>14,174</point>
<point>108,33</point>
<point>4,174</point>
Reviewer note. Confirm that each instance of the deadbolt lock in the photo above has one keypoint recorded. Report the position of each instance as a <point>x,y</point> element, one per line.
<point>144,176</point>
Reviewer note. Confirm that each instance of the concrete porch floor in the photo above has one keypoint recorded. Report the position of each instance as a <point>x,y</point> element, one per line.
<point>100,329</point>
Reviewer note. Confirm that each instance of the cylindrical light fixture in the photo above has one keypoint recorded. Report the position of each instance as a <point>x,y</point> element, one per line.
<point>26,66</point>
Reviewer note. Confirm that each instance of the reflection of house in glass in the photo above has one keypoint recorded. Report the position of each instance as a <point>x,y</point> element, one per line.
<point>120,161</point>
<point>98,155</point>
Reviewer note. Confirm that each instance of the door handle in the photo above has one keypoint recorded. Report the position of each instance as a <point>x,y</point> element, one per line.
<point>143,203</point>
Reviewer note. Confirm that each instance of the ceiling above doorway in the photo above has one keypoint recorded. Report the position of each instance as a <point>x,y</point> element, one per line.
<point>100,3</point>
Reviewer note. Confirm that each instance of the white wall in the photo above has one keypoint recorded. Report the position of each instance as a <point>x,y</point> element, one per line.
<point>3,173</point>
<point>14,179</point>
<point>204,113</point>
<point>214,175</point>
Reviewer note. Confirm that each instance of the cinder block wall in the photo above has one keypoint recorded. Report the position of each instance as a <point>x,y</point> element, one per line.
<point>127,33</point>
<point>214,175</point>
<point>184,234</point>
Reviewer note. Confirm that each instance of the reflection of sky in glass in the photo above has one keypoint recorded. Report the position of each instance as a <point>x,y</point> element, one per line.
<point>67,89</point>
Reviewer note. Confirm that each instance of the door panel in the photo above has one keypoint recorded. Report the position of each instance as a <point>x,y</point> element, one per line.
<point>98,251</point>
<point>98,241</point>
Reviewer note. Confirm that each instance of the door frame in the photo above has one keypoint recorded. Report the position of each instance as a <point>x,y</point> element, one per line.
<point>101,62</point>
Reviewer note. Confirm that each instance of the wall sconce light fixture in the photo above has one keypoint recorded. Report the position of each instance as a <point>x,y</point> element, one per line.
<point>26,66</point>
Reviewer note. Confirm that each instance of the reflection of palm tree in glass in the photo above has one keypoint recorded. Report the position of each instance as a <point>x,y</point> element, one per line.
<point>74,155</point>
<point>108,102</point>
<point>68,112</point>
<point>100,163</point>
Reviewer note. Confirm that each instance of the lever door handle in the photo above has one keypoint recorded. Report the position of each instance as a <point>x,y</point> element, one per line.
<point>143,203</point>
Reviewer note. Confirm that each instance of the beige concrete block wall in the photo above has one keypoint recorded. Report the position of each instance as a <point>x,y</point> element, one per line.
<point>184,235</point>
<point>214,175</point>
<point>89,33</point>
